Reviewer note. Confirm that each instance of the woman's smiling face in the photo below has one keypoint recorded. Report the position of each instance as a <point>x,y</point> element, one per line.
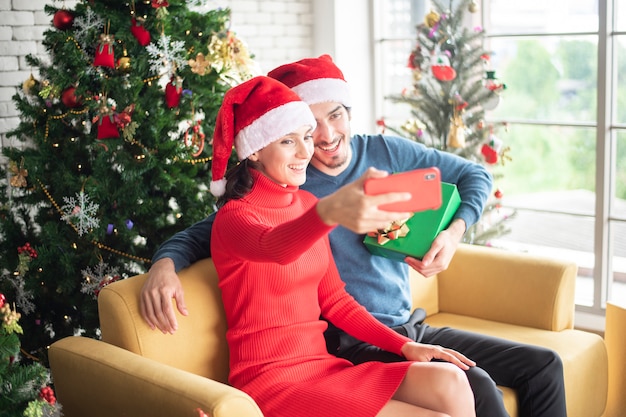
<point>285,160</point>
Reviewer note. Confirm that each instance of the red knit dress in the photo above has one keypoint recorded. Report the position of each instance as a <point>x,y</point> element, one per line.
<point>277,277</point>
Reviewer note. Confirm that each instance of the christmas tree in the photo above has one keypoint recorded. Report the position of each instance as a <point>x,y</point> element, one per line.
<point>112,155</point>
<point>25,389</point>
<point>454,85</point>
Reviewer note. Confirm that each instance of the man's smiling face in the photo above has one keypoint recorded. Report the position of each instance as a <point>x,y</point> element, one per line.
<point>331,137</point>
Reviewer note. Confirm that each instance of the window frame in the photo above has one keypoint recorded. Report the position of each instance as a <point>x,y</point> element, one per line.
<point>606,132</point>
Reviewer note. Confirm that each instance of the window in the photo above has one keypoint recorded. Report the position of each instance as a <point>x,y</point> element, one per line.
<point>564,66</point>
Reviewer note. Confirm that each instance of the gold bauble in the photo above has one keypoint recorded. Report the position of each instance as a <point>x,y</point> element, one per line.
<point>473,6</point>
<point>456,136</point>
<point>28,85</point>
<point>123,64</point>
<point>432,18</point>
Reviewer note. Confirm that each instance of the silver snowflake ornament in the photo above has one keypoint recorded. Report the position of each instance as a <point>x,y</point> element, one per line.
<point>98,278</point>
<point>23,297</point>
<point>85,26</point>
<point>80,212</point>
<point>166,56</point>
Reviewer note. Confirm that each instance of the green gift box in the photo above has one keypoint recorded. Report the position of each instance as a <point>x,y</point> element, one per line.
<point>419,231</point>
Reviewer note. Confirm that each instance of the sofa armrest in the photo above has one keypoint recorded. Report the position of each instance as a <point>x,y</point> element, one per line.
<point>615,338</point>
<point>510,287</point>
<point>97,379</point>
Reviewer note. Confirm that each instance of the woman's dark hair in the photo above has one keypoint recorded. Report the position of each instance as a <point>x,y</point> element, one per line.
<point>238,182</point>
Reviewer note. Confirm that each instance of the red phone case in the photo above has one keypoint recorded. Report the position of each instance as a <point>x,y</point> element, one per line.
<point>424,184</point>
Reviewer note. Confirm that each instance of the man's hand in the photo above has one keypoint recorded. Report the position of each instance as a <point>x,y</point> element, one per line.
<point>351,208</point>
<point>441,251</point>
<point>420,352</point>
<point>156,296</point>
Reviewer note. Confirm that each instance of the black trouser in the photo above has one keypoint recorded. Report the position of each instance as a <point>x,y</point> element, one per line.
<point>535,373</point>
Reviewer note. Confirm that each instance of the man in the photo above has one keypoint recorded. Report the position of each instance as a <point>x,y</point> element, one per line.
<point>380,284</point>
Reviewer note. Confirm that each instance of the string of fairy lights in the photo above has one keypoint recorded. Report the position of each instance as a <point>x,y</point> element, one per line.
<point>94,242</point>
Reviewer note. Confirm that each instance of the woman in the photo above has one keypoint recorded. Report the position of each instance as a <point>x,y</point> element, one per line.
<point>277,276</point>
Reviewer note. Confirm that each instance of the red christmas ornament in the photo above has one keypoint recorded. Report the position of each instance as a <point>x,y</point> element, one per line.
<point>28,249</point>
<point>441,68</point>
<point>106,281</point>
<point>443,73</point>
<point>107,129</point>
<point>498,194</point>
<point>63,19</point>
<point>124,118</point>
<point>104,53</point>
<point>194,137</point>
<point>3,300</point>
<point>47,394</point>
<point>381,122</point>
<point>69,99</point>
<point>490,154</point>
<point>173,92</point>
<point>139,32</point>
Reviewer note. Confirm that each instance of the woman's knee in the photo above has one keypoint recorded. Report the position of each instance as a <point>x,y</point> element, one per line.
<point>437,386</point>
<point>443,377</point>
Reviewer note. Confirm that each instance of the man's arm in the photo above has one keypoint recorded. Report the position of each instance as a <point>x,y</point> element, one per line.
<point>441,251</point>
<point>163,284</point>
<point>474,183</point>
<point>189,245</point>
<point>472,179</point>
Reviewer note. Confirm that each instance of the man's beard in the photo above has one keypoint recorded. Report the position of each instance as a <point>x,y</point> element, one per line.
<point>336,161</point>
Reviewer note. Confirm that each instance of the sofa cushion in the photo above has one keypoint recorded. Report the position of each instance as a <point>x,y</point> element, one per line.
<point>198,346</point>
<point>583,354</point>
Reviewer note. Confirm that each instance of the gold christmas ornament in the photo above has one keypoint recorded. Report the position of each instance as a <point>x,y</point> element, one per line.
<point>19,174</point>
<point>229,57</point>
<point>431,19</point>
<point>456,136</point>
<point>29,84</point>
<point>473,6</point>
<point>123,64</point>
<point>107,39</point>
<point>199,65</point>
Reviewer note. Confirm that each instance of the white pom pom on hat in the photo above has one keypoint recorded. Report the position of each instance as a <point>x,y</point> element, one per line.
<point>253,115</point>
<point>315,80</point>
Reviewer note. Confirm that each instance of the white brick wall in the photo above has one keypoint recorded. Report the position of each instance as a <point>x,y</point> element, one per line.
<point>276,32</point>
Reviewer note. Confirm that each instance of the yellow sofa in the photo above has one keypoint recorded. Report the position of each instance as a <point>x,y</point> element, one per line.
<point>136,372</point>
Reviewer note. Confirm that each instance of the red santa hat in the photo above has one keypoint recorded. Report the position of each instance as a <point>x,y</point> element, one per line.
<point>253,115</point>
<point>315,80</point>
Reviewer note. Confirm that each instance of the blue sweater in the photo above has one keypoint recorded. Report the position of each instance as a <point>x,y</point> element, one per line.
<point>379,284</point>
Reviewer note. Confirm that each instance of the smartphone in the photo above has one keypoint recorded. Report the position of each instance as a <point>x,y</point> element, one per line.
<point>424,184</point>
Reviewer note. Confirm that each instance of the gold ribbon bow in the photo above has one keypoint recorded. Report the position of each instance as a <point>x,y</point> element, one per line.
<point>395,230</point>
